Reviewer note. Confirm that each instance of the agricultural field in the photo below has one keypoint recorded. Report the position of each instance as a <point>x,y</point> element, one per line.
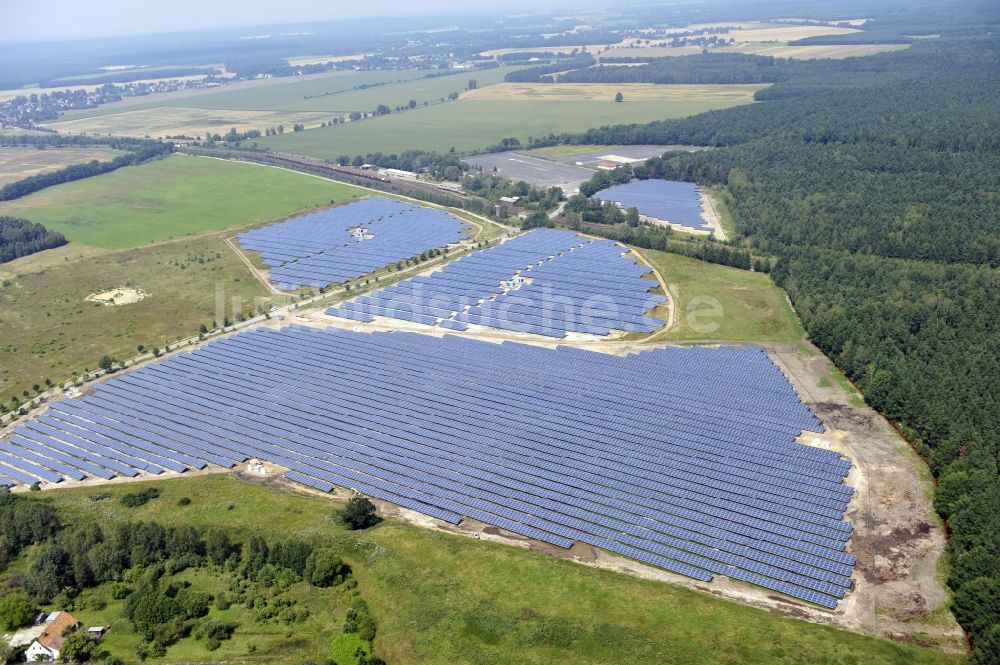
<point>173,197</point>
<point>473,123</point>
<point>19,163</point>
<point>309,100</point>
<point>719,303</point>
<point>602,92</point>
<point>440,597</point>
<point>184,121</point>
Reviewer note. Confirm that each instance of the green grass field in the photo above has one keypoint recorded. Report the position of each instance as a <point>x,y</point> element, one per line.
<point>173,197</point>
<point>469,124</point>
<point>441,598</point>
<point>721,303</point>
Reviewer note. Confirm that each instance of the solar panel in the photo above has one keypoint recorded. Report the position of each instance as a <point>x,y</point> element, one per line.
<point>546,282</point>
<point>346,242</point>
<point>666,200</point>
<point>683,458</point>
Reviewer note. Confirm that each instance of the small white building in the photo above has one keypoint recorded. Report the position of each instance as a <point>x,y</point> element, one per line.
<point>514,282</point>
<point>46,647</point>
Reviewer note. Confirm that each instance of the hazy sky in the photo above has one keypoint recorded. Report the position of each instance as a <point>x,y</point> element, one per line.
<point>39,20</point>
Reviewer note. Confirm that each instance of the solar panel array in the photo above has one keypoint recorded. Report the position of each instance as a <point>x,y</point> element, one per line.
<point>681,458</point>
<point>342,243</point>
<point>667,200</point>
<point>572,284</point>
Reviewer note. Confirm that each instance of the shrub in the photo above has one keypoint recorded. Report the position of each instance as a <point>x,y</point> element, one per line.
<point>140,498</point>
<point>16,610</point>
<point>120,590</point>
<point>325,568</point>
<point>77,648</point>
<point>214,632</point>
<point>359,513</point>
<point>184,501</point>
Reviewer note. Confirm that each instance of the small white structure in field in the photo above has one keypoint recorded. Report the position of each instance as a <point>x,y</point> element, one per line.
<point>48,644</point>
<point>514,282</point>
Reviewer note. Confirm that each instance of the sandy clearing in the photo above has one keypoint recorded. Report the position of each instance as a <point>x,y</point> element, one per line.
<point>123,295</point>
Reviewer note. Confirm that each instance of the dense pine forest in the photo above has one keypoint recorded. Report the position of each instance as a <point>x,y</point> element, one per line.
<point>19,237</point>
<point>876,183</point>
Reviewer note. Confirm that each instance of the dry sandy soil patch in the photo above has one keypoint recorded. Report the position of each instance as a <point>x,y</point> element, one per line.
<point>123,295</point>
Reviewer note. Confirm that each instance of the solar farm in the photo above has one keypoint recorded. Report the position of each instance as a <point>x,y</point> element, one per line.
<point>666,200</point>
<point>683,458</point>
<point>546,282</point>
<point>345,242</point>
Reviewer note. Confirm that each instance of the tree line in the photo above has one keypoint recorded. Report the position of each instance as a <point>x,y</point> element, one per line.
<point>20,237</point>
<point>877,192</point>
<point>31,184</point>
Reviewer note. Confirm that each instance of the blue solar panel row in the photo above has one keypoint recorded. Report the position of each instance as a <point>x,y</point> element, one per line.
<point>682,458</point>
<point>667,200</point>
<point>545,282</point>
<point>342,243</point>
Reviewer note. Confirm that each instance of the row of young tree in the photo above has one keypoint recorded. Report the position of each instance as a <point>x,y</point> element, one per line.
<point>20,237</point>
<point>874,182</point>
<point>31,184</point>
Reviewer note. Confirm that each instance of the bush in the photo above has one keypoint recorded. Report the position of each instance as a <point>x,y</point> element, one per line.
<point>140,498</point>
<point>77,648</point>
<point>359,513</point>
<point>120,590</point>
<point>325,568</point>
<point>214,632</point>
<point>16,610</point>
<point>184,501</point>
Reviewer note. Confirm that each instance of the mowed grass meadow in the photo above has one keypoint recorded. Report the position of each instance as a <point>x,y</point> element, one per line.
<point>443,598</point>
<point>176,196</point>
<point>719,303</point>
